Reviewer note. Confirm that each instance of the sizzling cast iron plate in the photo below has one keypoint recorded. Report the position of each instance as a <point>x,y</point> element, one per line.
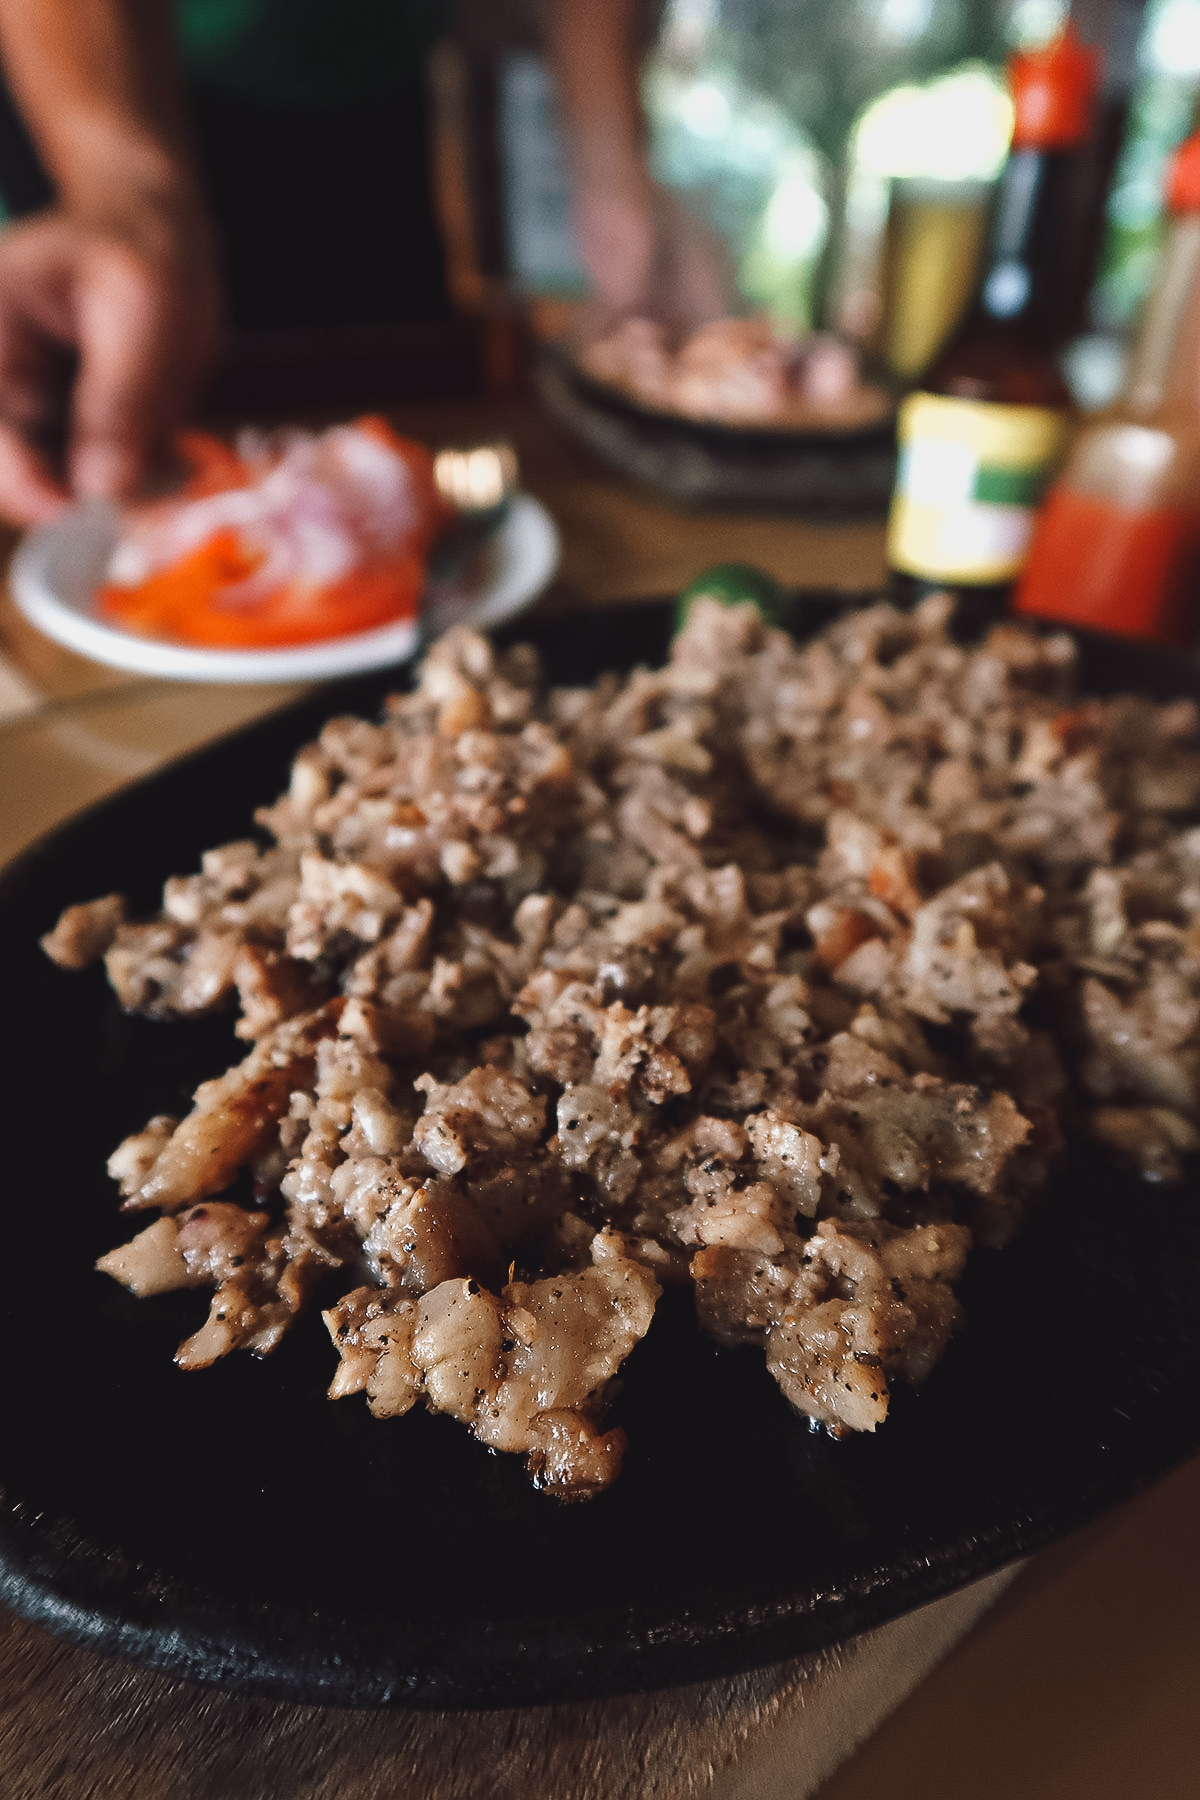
<point>817,474</point>
<point>237,1527</point>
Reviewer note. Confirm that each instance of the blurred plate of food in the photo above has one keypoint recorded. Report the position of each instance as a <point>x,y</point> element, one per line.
<point>739,374</point>
<point>292,556</point>
<point>731,414</point>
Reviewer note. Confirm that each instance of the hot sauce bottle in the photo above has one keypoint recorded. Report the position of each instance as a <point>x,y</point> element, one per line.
<point>1118,544</point>
<point>981,436</point>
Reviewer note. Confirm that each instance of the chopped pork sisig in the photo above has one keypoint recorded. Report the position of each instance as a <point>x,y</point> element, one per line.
<point>771,972</point>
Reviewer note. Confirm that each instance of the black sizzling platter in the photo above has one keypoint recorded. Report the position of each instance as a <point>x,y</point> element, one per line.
<point>237,1527</point>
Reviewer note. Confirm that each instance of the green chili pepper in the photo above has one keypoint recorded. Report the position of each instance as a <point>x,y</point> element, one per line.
<point>733,583</point>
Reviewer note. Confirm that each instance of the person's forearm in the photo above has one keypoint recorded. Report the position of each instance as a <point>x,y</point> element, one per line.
<point>97,84</point>
<point>595,49</point>
<point>120,271</point>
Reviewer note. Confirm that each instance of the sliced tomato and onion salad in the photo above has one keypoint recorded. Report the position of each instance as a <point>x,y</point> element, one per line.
<point>284,539</point>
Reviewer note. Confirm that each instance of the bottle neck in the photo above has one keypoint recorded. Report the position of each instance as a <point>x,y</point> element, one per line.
<point>1164,370</point>
<point>1023,283</point>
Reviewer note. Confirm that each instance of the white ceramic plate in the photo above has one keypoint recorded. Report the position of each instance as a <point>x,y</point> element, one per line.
<point>58,567</point>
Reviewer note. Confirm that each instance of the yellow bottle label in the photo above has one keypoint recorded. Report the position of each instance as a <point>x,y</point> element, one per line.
<point>969,480</point>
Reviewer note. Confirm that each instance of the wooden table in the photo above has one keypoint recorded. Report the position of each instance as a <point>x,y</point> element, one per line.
<point>1078,1683</point>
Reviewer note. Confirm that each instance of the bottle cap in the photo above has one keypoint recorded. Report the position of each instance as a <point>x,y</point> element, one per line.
<point>1183,176</point>
<point>1052,92</point>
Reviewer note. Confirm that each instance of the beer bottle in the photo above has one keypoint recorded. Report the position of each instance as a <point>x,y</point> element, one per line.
<point>980,437</point>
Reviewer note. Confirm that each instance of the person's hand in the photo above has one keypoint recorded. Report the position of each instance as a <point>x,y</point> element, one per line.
<point>645,254</point>
<point>105,332</point>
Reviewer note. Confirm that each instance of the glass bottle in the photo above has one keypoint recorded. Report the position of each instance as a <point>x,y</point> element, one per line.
<point>1117,546</point>
<point>979,438</point>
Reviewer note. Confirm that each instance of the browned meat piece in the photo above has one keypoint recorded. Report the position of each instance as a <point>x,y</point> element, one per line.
<point>907,1134</point>
<point>252,1309</point>
<point>259,1289</point>
<point>527,1370</point>
<point>832,1350</point>
<point>145,964</point>
<point>152,1262</point>
<point>1145,1045</point>
<point>840,1312</point>
<point>84,933</point>
<point>198,1248</point>
<point>488,1112</point>
<point>234,1116</point>
<point>1154,1139</point>
<point>964,955</point>
<point>271,987</point>
<point>373,1332</point>
<point>132,1160</point>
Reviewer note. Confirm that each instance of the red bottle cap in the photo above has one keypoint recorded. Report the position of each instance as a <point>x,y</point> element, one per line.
<point>1183,176</point>
<point>1052,91</point>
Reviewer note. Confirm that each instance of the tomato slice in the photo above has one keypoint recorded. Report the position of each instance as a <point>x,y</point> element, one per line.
<point>190,601</point>
<point>213,465</point>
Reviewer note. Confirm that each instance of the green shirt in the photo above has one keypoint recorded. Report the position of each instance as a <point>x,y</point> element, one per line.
<point>307,53</point>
